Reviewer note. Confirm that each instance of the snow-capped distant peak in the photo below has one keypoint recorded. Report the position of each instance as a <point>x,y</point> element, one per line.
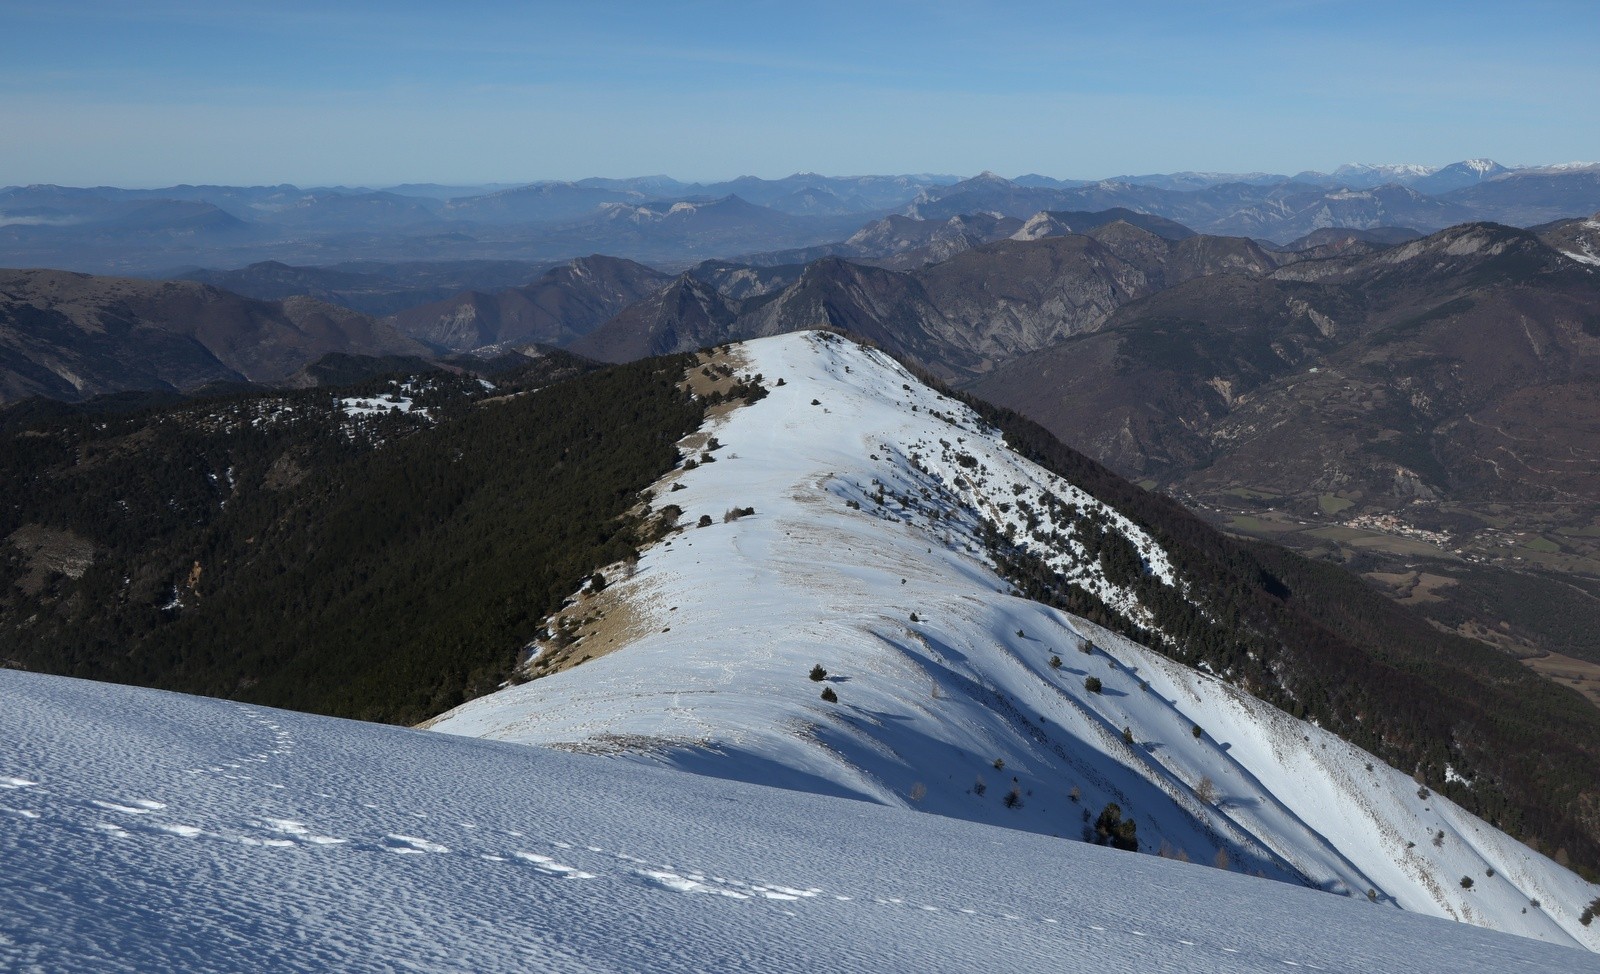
<point>851,521</point>
<point>1408,170</point>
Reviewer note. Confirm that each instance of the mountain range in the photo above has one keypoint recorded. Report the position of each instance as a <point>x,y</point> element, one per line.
<point>665,221</point>
<point>1438,467</point>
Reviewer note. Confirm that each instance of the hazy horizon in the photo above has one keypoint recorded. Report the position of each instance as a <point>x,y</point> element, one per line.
<point>492,185</point>
<point>367,94</point>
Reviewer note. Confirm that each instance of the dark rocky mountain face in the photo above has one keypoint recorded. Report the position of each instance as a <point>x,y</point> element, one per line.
<point>1427,413</point>
<point>902,243</point>
<point>563,305</point>
<point>687,314</point>
<point>1578,239</point>
<point>985,305</point>
<point>882,306</point>
<point>1199,347</point>
<point>740,281</point>
<point>72,336</point>
<point>1330,241</point>
<point>1456,320</point>
<point>1054,224</point>
<point>1010,297</point>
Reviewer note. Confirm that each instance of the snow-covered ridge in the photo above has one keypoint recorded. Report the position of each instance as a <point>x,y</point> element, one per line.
<point>866,554</point>
<point>144,831</point>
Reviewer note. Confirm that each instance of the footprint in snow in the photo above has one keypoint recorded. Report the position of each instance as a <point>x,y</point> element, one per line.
<point>135,806</point>
<point>683,884</point>
<point>550,867</point>
<point>301,831</point>
<point>411,845</point>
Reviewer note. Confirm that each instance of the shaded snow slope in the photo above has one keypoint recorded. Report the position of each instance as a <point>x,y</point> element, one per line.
<point>145,831</point>
<point>948,699</point>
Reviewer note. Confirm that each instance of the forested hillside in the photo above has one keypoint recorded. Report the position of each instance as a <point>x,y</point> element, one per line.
<point>381,556</point>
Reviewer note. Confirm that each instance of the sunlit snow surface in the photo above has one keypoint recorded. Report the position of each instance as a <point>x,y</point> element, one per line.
<point>731,617</point>
<point>142,831</point>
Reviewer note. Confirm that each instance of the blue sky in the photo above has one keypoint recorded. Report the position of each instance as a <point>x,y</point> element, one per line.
<point>167,91</point>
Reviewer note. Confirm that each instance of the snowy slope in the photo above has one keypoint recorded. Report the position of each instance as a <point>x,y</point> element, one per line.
<point>143,831</point>
<point>948,701</point>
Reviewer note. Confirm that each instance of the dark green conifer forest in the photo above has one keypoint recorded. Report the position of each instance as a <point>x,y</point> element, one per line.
<point>267,549</point>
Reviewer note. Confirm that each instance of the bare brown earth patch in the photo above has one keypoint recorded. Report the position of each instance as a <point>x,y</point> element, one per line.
<point>1411,587</point>
<point>1578,674</point>
<point>591,625</point>
<point>50,552</point>
<point>595,623</point>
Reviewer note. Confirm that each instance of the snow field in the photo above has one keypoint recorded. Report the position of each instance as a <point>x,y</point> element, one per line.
<point>152,831</point>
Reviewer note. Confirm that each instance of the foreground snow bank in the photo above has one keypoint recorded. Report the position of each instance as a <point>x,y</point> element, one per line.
<point>145,831</point>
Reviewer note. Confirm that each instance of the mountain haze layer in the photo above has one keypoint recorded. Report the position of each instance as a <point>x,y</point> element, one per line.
<point>672,223</point>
